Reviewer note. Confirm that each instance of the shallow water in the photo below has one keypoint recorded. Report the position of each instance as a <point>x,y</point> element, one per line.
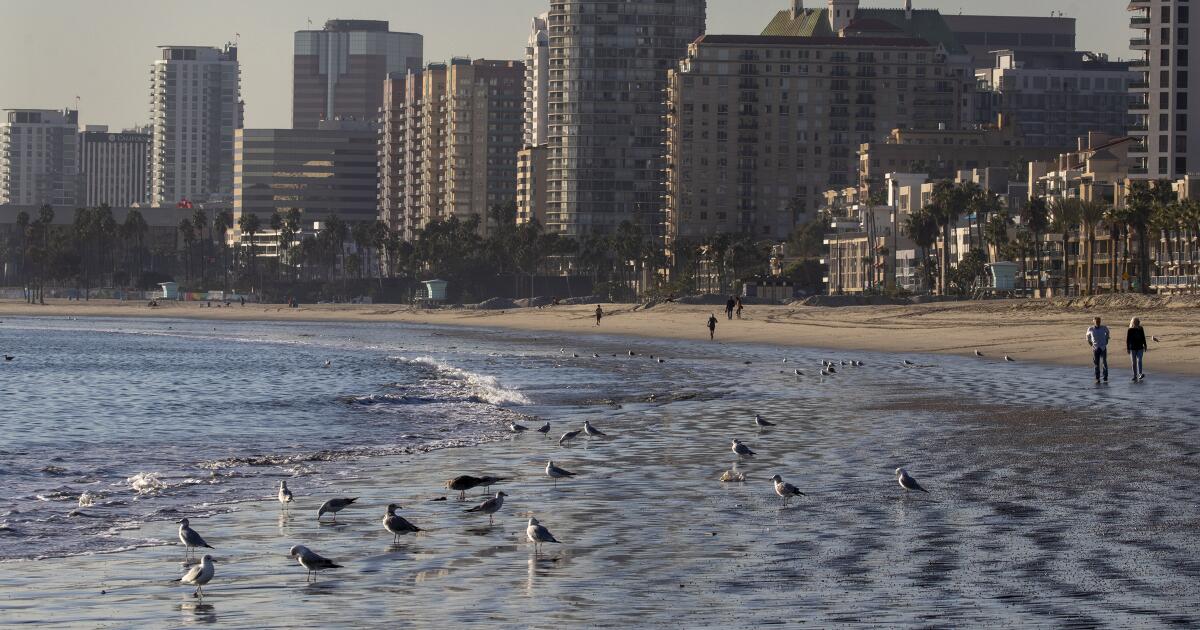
<point>1053,502</point>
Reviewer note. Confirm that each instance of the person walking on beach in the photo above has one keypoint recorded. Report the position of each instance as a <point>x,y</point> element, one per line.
<point>599,314</point>
<point>1135,345</point>
<point>729,305</point>
<point>739,308</point>
<point>1097,337</point>
<point>712,326</point>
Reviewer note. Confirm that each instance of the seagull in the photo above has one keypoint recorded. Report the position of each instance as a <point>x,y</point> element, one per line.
<point>1009,359</point>
<point>9,357</point>
<point>631,353</point>
<point>396,524</point>
<point>760,421</point>
<point>200,575</point>
<point>556,473</point>
<point>799,373</point>
<point>562,350</point>
<point>978,353</point>
<point>908,363</point>
<point>741,449</point>
<point>662,361</point>
<point>826,372</point>
<point>190,539</point>
<point>907,482</point>
<point>333,506</point>
<point>568,436</point>
<point>545,428</point>
<point>285,495</point>
<point>595,356</point>
<point>1154,338</point>
<point>328,363</point>
<point>462,483</point>
<point>310,560</point>
<point>516,428</point>
<point>785,489</point>
<point>538,534</point>
<point>574,355</point>
<point>490,507</point>
<point>592,431</point>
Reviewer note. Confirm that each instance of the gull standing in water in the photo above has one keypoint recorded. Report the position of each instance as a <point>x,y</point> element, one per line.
<point>592,431</point>
<point>490,507</point>
<point>396,524</point>
<point>190,539</point>
<point>568,436</point>
<point>544,429</point>
<point>333,506</point>
<point>556,473</point>
<point>285,495</point>
<point>741,449</point>
<point>310,560</point>
<point>762,422</point>
<point>200,575</point>
<point>907,482</point>
<point>785,489</point>
<point>516,428</point>
<point>462,483</point>
<point>538,534</point>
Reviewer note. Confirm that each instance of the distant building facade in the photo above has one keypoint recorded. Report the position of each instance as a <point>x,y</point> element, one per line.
<point>195,96</point>
<point>338,72</point>
<point>39,157</point>
<point>531,184</point>
<point>1052,104</point>
<point>1167,122</point>
<point>608,76</point>
<point>116,166</point>
<point>1046,41</point>
<point>331,170</point>
<point>450,143</point>
<point>760,126</point>
<point>537,83</point>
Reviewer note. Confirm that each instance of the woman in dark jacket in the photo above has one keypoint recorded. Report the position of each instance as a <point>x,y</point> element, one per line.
<point>1135,345</point>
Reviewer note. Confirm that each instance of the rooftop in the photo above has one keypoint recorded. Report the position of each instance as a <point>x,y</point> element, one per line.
<point>926,24</point>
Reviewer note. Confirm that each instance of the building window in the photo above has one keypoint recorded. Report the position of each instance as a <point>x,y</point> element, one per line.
<point>1182,39</point>
<point>1180,166</point>
<point>1181,100</point>
<point>1181,79</point>
<point>1183,15</point>
<point>1181,57</point>
<point>1180,122</point>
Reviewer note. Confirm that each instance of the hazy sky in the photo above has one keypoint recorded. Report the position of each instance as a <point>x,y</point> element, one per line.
<point>100,50</point>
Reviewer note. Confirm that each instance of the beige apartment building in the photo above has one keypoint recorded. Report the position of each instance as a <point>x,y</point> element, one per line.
<point>760,126</point>
<point>449,143</point>
<point>531,184</point>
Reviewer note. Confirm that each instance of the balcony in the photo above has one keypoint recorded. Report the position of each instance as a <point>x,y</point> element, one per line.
<point>1139,42</point>
<point>1139,21</point>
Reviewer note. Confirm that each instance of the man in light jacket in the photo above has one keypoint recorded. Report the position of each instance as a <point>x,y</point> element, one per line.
<point>1097,338</point>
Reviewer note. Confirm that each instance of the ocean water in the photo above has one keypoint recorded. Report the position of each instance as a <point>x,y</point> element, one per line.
<point>1053,501</point>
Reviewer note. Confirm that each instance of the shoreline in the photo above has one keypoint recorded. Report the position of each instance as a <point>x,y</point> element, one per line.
<point>1026,330</point>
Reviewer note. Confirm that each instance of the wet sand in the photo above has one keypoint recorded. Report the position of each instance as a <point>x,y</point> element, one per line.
<point>1040,514</point>
<point>1027,330</point>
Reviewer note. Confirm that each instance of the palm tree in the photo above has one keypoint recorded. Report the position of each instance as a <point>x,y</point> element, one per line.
<point>221,224</point>
<point>200,222</point>
<point>1036,218</point>
<point>133,230</point>
<point>995,232</point>
<point>1064,217</point>
<point>946,206</point>
<point>922,227</point>
<point>1091,213</point>
<point>189,236</point>
<point>250,225</point>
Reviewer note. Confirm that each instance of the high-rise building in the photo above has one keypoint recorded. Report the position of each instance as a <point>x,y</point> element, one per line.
<point>115,166</point>
<point>760,126</point>
<point>531,185</point>
<point>39,157</point>
<point>1167,123</point>
<point>330,170</point>
<point>1051,103</point>
<point>338,72</point>
<point>450,141</point>
<point>608,79</point>
<point>537,82</point>
<point>195,97</point>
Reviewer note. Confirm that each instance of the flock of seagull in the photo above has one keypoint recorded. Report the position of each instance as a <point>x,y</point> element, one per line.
<point>537,534</point>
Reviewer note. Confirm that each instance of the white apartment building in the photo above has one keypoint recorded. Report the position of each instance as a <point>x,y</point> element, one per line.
<point>39,157</point>
<point>115,166</point>
<point>195,97</point>
<point>1166,122</point>
<point>537,82</point>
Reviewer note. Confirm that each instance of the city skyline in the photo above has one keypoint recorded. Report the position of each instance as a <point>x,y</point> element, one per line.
<point>29,55</point>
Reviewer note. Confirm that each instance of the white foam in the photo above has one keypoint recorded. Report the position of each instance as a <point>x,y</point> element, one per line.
<point>483,386</point>
<point>146,483</point>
